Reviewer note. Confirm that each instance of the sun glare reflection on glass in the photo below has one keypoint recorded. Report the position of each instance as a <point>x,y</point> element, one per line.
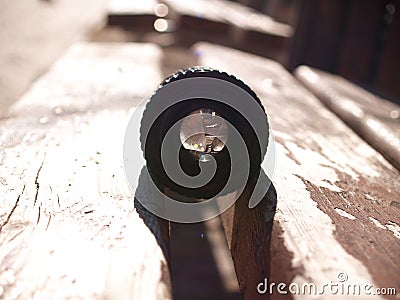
<point>193,132</point>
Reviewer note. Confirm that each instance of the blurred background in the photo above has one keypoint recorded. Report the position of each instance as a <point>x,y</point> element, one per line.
<point>357,39</point>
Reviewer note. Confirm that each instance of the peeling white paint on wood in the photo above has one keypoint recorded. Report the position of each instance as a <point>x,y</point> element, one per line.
<point>312,240</point>
<point>317,164</point>
<point>314,148</point>
<point>393,227</point>
<point>377,223</point>
<point>345,214</point>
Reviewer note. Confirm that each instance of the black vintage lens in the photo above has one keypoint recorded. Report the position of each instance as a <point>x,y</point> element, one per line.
<point>197,146</point>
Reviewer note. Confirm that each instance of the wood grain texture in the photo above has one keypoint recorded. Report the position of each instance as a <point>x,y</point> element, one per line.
<point>376,120</point>
<point>136,13</point>
<point>217,21</point>
<point>69,228</point>
<point>230,13</point>
<point>337,197</point>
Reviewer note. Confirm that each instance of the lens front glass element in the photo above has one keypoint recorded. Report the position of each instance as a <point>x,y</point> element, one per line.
<point>203,131</point>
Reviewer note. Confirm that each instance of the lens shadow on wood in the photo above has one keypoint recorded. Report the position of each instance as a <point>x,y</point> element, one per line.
<point>214,258</point>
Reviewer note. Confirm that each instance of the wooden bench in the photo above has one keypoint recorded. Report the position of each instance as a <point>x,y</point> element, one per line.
<point>376,120</point>
<point>69,227</point>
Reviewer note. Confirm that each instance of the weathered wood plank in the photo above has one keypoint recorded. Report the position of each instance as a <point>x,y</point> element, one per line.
<point>131,12</point>
<point>219,21</point>
<point>223,13</point>
<point>337,198</point>
<point>376,120</point>
<point>93,77</point>
<point>69,227</point>
<point>231,13</point>
<point>231,24</point>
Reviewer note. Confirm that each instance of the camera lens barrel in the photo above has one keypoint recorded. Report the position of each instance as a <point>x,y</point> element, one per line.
<point>205,129</point>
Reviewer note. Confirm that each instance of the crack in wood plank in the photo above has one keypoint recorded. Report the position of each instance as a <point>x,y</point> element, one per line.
<point>38,217</point>
<point>12,209</point>
<point>37,183</point>
<point>48,222</point>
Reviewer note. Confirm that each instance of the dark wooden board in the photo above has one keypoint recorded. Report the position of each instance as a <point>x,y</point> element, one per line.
<point>387,64</point>
<point>230,13</point>
<point>221,21</point>
<point>69,227</point>
<point>231,24</point>
<point>376,120</point>
<point>358,40</point>
<point>338,203</point>
<point>221,15</point>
